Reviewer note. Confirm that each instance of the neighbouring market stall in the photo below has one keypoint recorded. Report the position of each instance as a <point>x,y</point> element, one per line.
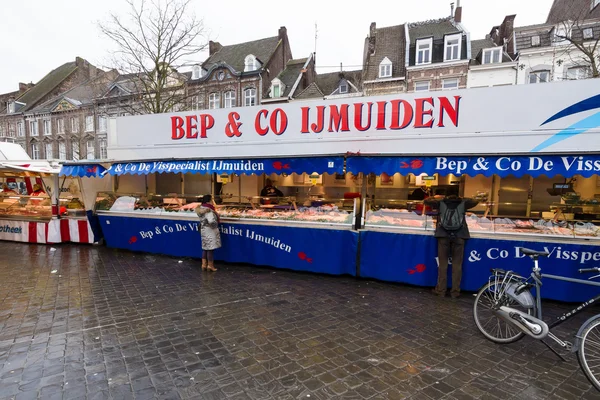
<point>530,153</point>
<point>50,214</point>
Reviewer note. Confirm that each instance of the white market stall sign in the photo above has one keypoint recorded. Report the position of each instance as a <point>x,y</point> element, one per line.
<point>552,117</point>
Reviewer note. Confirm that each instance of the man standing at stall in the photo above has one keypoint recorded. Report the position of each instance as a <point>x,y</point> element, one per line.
<point>451,232</point>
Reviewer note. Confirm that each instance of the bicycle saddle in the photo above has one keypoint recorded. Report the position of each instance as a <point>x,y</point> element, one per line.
<point>529,252</point>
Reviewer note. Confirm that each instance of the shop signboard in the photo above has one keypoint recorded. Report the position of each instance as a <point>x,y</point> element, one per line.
<point>554,117</point>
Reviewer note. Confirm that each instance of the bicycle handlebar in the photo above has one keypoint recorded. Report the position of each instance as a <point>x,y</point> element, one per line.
<point>584,270</point>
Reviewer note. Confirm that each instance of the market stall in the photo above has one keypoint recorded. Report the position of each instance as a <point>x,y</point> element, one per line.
<point>528,153</point>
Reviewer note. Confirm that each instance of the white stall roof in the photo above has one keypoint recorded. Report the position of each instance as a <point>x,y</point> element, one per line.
<point>12,151</point>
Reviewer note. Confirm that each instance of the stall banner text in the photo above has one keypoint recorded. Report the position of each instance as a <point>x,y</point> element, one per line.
<point>567,165</point>
<point>412,258</point>
<point>306,249</point>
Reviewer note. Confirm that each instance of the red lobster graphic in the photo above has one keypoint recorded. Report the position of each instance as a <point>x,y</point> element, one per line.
<point>302,255</point>
<point>132,240</point>
<point>414,164</point>
<point>418,268</point>
<point>278,165</point>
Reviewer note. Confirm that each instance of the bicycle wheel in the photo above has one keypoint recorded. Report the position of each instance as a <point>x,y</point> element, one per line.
<point>488,298</point>
<point>588,350</point>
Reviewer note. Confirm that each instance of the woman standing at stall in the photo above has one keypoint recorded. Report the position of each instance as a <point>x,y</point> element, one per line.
<point>209,232</point>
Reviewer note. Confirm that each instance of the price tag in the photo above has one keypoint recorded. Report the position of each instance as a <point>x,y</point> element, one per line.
<point>224,178</point>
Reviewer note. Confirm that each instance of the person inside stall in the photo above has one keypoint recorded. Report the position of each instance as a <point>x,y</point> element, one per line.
<point>37,190</point>
<point>7,191</point>
<point>420,194</point>
<point>270,191</point>
<point>451,232</point>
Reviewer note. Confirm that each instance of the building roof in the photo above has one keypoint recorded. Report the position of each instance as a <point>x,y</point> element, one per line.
<point>572,10</point>
<point>290,74</point>
<point>436,28</point>
<point>329,83</point>
<point>312,91</point>
<point>481,44</point>
<point>390,42</point>
<point>535,27</point>
<point>234,55</point>
<point>32,96</point>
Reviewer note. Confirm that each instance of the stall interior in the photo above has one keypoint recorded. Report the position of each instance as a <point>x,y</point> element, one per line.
<point>330,199</point>
<point>512,205</point>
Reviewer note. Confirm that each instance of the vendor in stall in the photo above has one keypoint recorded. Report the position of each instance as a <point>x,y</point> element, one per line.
<point>6,190</point>
<point>37,190</point>
<point>270,191</point>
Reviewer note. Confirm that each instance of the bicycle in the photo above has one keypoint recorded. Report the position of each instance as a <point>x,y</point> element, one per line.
<point>514,312</point>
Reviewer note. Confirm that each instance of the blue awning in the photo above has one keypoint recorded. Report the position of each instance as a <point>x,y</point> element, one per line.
<point>548,165</point>
<point>82,170</point>
<point>330,165</point>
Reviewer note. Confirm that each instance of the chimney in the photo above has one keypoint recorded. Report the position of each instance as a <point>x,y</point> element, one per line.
<point>458,12</point>
<point>282,33</point>
<point>213,47</point>
<point>80,62</point>
<point>372,37</point>
<point>452,10</point>
<point>23,87</point>
<point>506,33</point>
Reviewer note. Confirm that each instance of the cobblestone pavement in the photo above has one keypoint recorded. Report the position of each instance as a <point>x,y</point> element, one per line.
<point>90,322</point>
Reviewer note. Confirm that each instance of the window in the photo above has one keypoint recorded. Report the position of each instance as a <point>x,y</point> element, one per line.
<point>539,76</point>
<point>422,86</point>
<point>535,40</point>
<point>103,152</point>
<point>588,33</point>
<point>250,63</point>
<point>452,47</point>
<point>11,130</point>
<point>492,56</point>
<point>10,107</point>
<point>424,51</point>
<point>49,151</point>
<point>195,103</point>
<point>214,101</point>
<point>560,34</point>
<point>33,128</point>
<point>74,124</point>
<point>343,87</point>
<point>102,123</point>
<point>75,146</point>
<point>276,92</point>
<point>595,3</point>
<point>47,127</point>
<point>196,72</point>
<point>578,73</point>
<point>385,68</point>
<point>89,123</point>
<point>20,129</point>
<point>90,150</point>
<point>60,125</point>
<point>250,97</point>
<point>35,151</point>
<point>229,99</point>
<point>62,151</point>
<point>448,84</point>
<point>2,131</point>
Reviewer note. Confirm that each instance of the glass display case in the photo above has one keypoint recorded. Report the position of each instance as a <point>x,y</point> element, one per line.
<point>256,208</point>
<point>414,215</point>
<point>16,206</point>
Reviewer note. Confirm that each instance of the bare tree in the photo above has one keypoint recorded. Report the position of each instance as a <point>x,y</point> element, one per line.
<point>153,41</point>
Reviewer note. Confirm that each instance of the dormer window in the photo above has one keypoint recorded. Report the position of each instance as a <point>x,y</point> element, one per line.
<point>452,47</point>
<point>10,107</point>
<point>250,63</point>
<point>423,50</point>
<point>588,33</point>
<point>277,88</point>
<point>196,74</point>
<point>385,68</point>
<point>535,41</point>
<point>343,87</point>
<point>561,34</point>
<point>492,56</point>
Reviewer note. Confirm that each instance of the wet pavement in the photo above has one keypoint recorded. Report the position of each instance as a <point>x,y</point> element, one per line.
<point>90,322</point>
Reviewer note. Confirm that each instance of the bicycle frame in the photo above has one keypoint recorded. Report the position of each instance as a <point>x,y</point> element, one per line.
<point>537,276</point>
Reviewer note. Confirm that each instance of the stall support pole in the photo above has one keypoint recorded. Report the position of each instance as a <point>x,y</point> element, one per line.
<point>55,196</point>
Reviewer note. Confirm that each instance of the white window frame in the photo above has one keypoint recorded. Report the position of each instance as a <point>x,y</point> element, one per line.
<point>196,72</point>
<point>385,68</point>
<point>250,63</point>
<point>11,129</point>
<point>35,151</point>
<point>74,124</point>
<point>274,88</point>
<point>538,76</point>
<point>588,33</point>
<point>249,97</point>
<point>89,123</point>
<point>33,128</point>
<point>594,4</point>
<point>536,41</point>
<point>214,101</point>
<point>578,75</point>
<point>60,125</point>
<point>47,127</point>
<point>20,129</point>
<point>48,146</point>
<point>75,150</point>
<point>344,87</point>
<point>62,150</point>
<point>428,50</point>
<point>90,149</point>
<point>422,89</point>
<point>492,52</point>
<point>10,107</point>
<point>103,149</point>
<point>561,30</point>
<point>2,131</point>
<point>446,85</point>
<point>102,123</point>
<point>195,102</point>
<point>454,48</point>
<point>229,99</point>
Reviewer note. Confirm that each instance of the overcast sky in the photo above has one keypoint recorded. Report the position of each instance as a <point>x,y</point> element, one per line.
<point>40,35</point>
